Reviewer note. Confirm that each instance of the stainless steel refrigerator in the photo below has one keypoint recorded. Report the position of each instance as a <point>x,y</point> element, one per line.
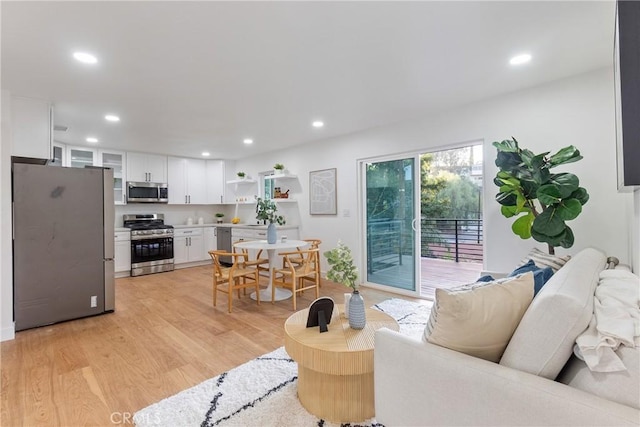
<point>63,243</point>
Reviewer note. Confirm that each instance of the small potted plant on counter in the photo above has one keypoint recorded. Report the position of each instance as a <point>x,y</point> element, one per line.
<point>278,169</point>
<point>219,217</point>
<point>241,175</point>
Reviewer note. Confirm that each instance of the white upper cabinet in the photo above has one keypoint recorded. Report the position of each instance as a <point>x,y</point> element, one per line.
<point>187,181</point>
<point>115,160</point>
<point>32,127</point>
<point>215,181</point>
<point>143,167</point>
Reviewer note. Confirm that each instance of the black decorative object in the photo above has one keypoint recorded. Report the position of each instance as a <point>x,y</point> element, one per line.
<point>320,312</point>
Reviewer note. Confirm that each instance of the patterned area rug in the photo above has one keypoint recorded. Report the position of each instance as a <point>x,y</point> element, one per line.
<point>261,392</point>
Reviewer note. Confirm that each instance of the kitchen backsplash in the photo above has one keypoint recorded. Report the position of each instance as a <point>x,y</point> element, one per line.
<point>176,214</point>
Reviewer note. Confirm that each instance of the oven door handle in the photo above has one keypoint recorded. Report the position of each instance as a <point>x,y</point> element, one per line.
<point>151,236</point>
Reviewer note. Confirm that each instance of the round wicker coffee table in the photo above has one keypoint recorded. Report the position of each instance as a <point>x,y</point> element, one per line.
<point>335,368</point>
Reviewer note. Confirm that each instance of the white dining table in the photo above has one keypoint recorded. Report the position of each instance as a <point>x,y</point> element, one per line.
<point>272,249</point>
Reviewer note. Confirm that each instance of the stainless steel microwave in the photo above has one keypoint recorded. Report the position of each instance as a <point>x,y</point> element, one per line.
<point>147,192</point>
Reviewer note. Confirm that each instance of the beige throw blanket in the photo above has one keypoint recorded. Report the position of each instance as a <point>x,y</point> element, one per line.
<point>615,322</point>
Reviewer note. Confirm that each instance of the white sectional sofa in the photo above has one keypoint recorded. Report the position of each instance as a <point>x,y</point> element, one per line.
<point>418,383</point>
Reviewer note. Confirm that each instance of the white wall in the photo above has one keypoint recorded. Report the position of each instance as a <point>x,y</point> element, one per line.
<point>6,253</point>
<point>577,110</point>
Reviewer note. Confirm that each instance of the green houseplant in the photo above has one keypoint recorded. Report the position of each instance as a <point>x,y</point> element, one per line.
<point>343,270</point>
<point>219,217</point>
<point>541,200</point>
<point>241,175</point>
<point>266,211</point>
<point>278,167</point>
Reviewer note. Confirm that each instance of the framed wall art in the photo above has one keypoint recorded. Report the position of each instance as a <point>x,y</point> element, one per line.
<point>322,192</point>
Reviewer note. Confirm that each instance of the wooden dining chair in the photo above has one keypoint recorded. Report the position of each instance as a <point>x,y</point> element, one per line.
<point>313,244</point>
<point>234,278</point>
<point>259,263</point>
<point>293,275</point>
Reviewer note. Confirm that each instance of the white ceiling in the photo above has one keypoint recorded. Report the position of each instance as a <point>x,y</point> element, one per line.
<point>186,77</point>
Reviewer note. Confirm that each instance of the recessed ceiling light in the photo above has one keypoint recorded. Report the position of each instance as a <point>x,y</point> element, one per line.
<point>112,118</point>
<point>85,58</point>
<point>92,140</point>
<point>520,59</point>
<point>317,124</point>
<point>206,153</point>
<point>248,141</point>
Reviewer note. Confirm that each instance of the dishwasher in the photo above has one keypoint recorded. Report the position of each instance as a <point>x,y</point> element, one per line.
<point>223,240</point>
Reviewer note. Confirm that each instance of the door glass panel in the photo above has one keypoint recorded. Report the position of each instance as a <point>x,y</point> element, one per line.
<point>390,210</point>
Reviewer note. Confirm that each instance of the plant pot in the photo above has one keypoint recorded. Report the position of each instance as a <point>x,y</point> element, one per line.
<point>219,220</point>
<point>357,318</point>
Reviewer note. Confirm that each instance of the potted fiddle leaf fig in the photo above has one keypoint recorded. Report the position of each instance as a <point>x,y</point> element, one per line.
<point>542,201</point>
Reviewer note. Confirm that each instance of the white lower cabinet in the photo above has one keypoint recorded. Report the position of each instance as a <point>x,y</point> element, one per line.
<point>122,254</point>
<point>188,244</point>
<point>210,241</point>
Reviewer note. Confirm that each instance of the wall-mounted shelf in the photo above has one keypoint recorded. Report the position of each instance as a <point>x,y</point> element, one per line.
<point>242,181</point>
<point>286,175</point>
<point>282,200</point>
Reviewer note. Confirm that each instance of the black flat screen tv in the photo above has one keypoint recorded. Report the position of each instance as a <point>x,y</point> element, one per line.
<point>627,90</point>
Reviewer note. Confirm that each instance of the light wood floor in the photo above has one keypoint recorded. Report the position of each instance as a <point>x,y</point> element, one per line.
<point>164,337</point>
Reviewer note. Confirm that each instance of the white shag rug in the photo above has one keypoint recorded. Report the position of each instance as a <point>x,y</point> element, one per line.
<point>261,392</point>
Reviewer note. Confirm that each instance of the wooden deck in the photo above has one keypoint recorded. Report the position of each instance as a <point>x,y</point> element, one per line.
<point>445,274</point>
<point>435,273</point>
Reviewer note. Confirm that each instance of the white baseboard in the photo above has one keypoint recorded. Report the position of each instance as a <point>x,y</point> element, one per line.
<point>8,333</point>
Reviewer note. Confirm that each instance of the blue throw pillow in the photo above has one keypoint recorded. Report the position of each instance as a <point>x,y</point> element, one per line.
<point>540,275</point>
<point>486,278</point>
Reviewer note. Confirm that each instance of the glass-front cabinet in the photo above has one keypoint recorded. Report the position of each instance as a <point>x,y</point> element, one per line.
<point>79,157</point>
<point>116,161</point>
<point>57,154</point>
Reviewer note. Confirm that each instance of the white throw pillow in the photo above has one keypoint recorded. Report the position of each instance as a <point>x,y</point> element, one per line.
<point>543,260</point>
<point>479,319</point>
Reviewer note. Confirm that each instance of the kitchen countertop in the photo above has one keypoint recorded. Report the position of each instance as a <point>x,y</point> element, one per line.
<point>228,224</point>
<point>121,229</point>
<point>258,227</point>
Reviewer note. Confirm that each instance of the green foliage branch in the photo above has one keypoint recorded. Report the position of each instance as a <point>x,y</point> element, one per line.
<point>541,200</point>
<point>342,269</point>
<point>266,211</point>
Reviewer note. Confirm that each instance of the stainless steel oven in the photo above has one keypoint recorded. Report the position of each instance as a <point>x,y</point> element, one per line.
<point>151,244</point>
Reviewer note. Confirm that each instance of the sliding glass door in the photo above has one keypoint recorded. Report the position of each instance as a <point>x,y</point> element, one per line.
<point>389,211</point>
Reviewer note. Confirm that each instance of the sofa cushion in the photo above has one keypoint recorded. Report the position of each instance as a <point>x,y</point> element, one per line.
<point>622,387</point>
<point>543,260</point>
<point>478,319</point>
<point>540,275</point>
<point>543,341</point>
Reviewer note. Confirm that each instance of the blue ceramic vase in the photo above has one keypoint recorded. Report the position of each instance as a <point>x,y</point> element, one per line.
<point>272,234</point>
<point>357,318</point>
